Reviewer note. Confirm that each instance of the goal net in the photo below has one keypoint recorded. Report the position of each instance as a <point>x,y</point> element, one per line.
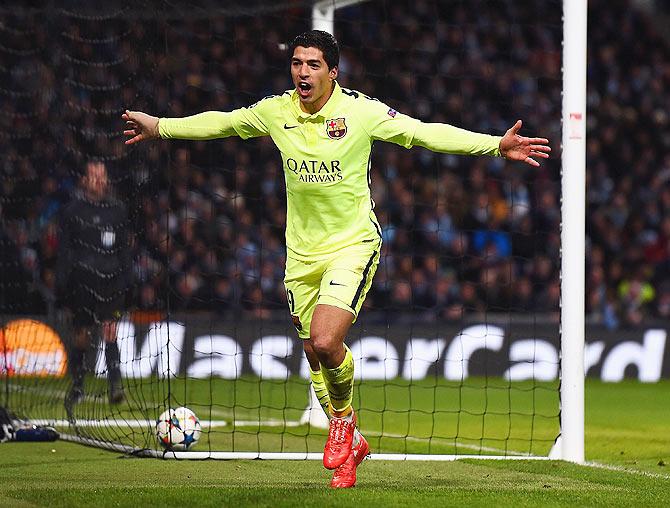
<point>457,346</point>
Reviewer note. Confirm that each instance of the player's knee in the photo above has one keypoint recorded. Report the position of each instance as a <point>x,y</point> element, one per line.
<point>324,344</point>
<point>310,354</point>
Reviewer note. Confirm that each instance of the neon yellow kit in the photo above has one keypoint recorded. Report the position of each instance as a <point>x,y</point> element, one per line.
<point>332,235</point>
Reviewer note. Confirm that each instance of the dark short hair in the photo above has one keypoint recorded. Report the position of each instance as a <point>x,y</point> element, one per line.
<point>320,40</point>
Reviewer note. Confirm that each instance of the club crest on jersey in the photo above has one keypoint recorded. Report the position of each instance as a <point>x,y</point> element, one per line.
<point>336,128</point>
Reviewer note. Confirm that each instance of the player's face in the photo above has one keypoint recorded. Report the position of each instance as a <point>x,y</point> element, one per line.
<point>312,78</point>
<point>95,181</point>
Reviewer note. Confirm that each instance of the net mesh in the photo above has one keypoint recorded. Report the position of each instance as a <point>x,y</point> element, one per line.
<point>456,347</point>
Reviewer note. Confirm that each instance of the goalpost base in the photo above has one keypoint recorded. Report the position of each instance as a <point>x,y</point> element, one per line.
<point>556,452</point>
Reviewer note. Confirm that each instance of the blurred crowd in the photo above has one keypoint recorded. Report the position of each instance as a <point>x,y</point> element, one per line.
<point>462,235</point>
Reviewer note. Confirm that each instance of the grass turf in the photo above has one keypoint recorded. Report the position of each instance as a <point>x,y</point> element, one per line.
<point>627,426</point>
<point>72,475</point>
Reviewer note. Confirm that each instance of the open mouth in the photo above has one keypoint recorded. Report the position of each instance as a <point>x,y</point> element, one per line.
<point>304,88</point>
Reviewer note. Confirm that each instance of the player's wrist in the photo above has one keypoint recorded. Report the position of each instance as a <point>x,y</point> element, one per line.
<point>499,151</point>
<point>156,133</point>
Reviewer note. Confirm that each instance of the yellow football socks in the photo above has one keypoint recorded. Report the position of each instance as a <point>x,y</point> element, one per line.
<point>340,384</point>
<point>321,391</point>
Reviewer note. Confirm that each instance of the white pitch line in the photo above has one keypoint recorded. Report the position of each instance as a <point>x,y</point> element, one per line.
<point>621,469</point>
<point>136,423</point>
<point>315,456</point>
<point>119,422</point>
<point>448,458</point>
<point>266,423</point>
<point>458,445</point>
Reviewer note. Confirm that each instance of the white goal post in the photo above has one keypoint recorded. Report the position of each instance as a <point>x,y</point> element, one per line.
<point>323,13</point>
<point>573,211</point>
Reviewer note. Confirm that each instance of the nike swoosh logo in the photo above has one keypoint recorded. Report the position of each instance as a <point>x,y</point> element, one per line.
<point>332,283</point>
<point>286,126</point>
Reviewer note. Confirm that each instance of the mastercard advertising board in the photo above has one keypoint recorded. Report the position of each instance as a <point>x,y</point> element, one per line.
<point>31,348</point>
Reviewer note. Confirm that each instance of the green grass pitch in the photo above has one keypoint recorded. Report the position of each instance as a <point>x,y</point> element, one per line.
<point>627,430</point>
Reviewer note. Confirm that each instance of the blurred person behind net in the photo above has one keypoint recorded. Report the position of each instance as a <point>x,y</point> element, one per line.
<point>93,276</point>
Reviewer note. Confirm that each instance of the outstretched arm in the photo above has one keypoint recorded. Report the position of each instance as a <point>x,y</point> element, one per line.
<point>445,138</point>
<point>246,123</point>
<point>520,148</point>
<point>386,124</point>
<point>207,125</point>
<point>449,139</point>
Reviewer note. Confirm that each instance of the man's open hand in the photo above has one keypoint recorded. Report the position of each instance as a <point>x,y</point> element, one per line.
<point>140,126</point>
<point>520,148</point>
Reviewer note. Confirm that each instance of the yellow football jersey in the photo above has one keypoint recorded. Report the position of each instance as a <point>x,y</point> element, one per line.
<point>326,159</point>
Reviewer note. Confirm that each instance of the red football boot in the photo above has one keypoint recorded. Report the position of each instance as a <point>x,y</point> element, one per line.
<point>361,450</point>
<point>344,476</point>
<point>340,440</point>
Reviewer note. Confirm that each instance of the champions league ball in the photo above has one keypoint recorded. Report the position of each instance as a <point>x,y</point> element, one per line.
<point>178,429</point>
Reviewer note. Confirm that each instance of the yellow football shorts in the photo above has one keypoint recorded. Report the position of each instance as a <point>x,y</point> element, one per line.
<point>342,280</point>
